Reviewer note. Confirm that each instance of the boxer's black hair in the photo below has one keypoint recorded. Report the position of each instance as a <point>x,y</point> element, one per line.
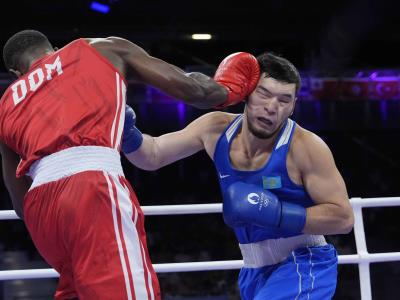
<point>279,68</point>
<point>19,44</point>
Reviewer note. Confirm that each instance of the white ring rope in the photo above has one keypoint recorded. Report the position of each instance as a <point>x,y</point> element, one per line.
<point>187,209</point>
<point>196,266</point>
<point>362,258</point>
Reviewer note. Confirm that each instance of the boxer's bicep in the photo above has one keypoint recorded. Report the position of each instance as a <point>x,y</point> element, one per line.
<point>332,212</point>
<point>321,177</point>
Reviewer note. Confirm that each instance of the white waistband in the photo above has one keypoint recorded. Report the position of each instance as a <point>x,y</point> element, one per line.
<point>74,160</point>
<point>273,251</point>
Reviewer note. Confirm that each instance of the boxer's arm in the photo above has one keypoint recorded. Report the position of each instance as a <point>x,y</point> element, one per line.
<point>156,152</point>
<point>125,55</point>
<point>332,212</point>
<point>17,187</point>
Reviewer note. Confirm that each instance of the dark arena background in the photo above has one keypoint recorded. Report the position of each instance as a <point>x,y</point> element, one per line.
<point>348,53</point>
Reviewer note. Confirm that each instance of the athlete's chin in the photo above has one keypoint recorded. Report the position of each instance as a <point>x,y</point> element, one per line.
<point>262,133</point>
<point>262,130</point>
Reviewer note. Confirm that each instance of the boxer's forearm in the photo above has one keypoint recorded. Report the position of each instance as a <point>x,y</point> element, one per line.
<point>157,152</point>
<point>214,94</point>
<point>145,157</point>
<point>328,219</point>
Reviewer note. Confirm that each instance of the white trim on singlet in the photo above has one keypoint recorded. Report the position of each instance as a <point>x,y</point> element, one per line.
<point>229,132</point>
<point>121,115</point>
<point>118,98</point>
<point>284,139</point>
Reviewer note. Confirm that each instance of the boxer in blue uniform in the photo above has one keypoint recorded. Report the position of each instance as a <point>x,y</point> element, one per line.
<point>281,189</point>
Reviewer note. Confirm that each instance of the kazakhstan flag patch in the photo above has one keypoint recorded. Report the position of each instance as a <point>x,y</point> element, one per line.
<point>271,182</point>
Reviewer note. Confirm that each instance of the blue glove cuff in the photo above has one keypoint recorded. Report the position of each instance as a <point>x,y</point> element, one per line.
<point>132,140</point>
<point>293,217</point>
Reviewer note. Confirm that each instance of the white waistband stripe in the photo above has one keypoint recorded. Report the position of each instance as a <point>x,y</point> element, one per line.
<point>273,251</point>
<point>75,160</point>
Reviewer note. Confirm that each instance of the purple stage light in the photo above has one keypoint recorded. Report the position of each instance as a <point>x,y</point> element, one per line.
<point>99,7</point>
<point>181,112</point>
<point>384,110</point>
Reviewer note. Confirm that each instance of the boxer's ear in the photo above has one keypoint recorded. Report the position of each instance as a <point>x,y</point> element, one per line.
<point>15,72</point>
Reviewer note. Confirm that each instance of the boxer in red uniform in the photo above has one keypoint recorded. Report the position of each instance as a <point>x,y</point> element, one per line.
<point>61,123</point>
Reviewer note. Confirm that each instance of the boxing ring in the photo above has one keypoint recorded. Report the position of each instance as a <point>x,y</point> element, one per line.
<point>363,258</point>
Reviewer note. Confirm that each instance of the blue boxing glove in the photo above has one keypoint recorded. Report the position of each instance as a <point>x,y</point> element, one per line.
<point>132,138</point>
<point>250,204</point>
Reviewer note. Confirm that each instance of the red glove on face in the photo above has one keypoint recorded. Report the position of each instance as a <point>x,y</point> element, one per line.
<point>239,74</point>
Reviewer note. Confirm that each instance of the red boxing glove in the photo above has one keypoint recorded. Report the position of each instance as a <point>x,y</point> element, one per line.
<point>239,74</point>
